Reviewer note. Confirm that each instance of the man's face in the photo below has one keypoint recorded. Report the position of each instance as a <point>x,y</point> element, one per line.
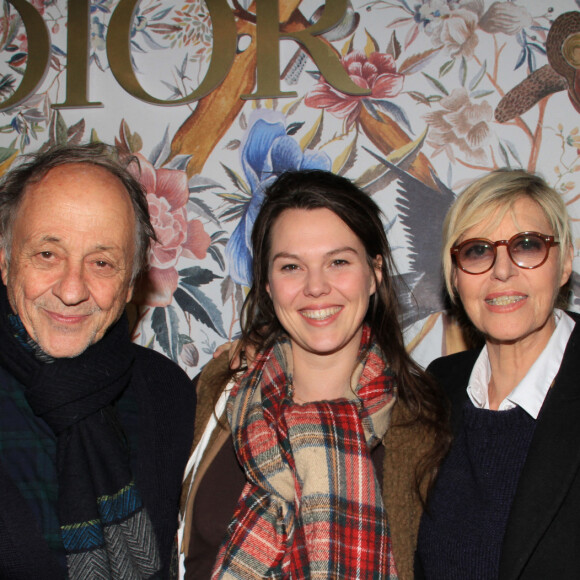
<point>72,252</point>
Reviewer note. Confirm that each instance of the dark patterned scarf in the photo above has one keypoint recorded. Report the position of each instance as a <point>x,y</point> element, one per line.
<point>312,507</point>
<point>106,531</point>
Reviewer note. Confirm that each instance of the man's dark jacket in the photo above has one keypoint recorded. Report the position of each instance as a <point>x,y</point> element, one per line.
<point>162,430</point>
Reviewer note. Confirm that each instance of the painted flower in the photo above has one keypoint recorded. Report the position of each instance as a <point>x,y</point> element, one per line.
<point>167,196</point>
<point>505,17</point>
<point>190,355</point>
<point>452,25</point>
<point>21,42</point>
<point>376,72</point>
<point>39,5</point>
<point>98,31</point>
<point>267,151</point>
<point>10,26</point>
<point>462,124</point>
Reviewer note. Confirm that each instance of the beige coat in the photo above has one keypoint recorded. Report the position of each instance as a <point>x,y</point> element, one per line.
<point>404,445</point>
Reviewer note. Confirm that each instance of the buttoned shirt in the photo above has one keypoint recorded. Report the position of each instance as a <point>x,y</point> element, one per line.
<point>530,392</point>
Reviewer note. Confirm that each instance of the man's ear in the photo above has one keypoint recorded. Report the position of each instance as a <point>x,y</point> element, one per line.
<point>130,293</point>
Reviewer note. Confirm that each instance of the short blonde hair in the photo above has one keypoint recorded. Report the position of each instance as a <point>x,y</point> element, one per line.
<point>493,195</point>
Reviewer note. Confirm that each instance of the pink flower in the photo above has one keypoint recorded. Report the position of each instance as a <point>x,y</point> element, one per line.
<point>167,195</point>
<point>376,72</point>
<point>22,41</point>
<point>39,5</point>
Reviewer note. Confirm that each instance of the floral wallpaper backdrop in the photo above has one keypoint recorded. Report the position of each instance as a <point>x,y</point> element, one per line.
<point>457,88</point>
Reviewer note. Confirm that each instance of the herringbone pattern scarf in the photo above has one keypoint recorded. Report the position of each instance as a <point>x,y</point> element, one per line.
<point>312,507</point>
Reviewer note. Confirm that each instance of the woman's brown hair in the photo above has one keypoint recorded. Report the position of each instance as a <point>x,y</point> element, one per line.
<point>316,189</point>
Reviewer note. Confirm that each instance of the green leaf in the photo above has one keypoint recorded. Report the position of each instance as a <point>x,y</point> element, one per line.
<point>293,128</point>
<point>164,323</point>
<point>514,153</point>
<point>419,97</point>
<point>237,180</point>
<point>504,154</point>
<point>6,153</point>
<point>439,86</point>
<point>446,67</point>
<point>217,256</point>
<point>200,307</point>
<point>478,77</point>
<point>58,129</point>
<point>463,72</point>
<point>480,94</point>
<point>197,276</point>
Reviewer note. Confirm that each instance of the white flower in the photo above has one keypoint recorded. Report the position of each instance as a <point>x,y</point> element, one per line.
<point>452,26</point>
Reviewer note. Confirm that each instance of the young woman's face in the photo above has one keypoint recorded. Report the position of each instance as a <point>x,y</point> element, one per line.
<point>320,281</point>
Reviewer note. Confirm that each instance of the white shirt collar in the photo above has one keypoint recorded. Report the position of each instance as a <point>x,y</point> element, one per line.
<point>530,393</point>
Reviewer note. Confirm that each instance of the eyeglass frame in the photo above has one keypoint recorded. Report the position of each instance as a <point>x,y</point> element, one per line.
<point>550,242</point>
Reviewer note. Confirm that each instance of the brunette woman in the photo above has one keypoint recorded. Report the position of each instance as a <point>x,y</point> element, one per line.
<point>312,461</point>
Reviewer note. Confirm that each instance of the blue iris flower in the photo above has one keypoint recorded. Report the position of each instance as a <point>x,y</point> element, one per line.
<point>267,152</point>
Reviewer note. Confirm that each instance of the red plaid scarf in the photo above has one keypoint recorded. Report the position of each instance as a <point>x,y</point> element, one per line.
<point>312,507</point>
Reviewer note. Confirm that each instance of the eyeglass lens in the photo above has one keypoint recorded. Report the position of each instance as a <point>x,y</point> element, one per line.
<point>525,250</point>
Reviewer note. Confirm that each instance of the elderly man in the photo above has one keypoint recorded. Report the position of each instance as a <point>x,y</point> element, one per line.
<point>94,430</point>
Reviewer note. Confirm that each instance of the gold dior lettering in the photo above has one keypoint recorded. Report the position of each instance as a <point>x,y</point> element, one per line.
<point>267,38</point>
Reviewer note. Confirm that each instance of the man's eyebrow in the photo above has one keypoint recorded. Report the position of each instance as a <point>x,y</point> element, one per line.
<point>99,248</point>
<point>103,248</point>
<point>48,238</point>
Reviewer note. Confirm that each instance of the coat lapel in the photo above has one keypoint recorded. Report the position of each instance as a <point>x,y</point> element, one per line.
<point>452,373</point>
<point>552,462</point>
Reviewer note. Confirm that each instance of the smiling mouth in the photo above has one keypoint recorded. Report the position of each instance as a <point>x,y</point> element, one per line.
<point>505,300</point>
<point>320,314</point>
<point>68,319</point>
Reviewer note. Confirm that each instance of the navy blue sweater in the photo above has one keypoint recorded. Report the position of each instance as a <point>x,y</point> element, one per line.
<point>461,535</point>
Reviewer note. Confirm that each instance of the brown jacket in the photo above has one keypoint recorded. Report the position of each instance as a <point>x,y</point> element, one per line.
<point>404,445</point>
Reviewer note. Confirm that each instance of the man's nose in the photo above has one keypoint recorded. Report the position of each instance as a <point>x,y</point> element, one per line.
<point>72,288</point>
